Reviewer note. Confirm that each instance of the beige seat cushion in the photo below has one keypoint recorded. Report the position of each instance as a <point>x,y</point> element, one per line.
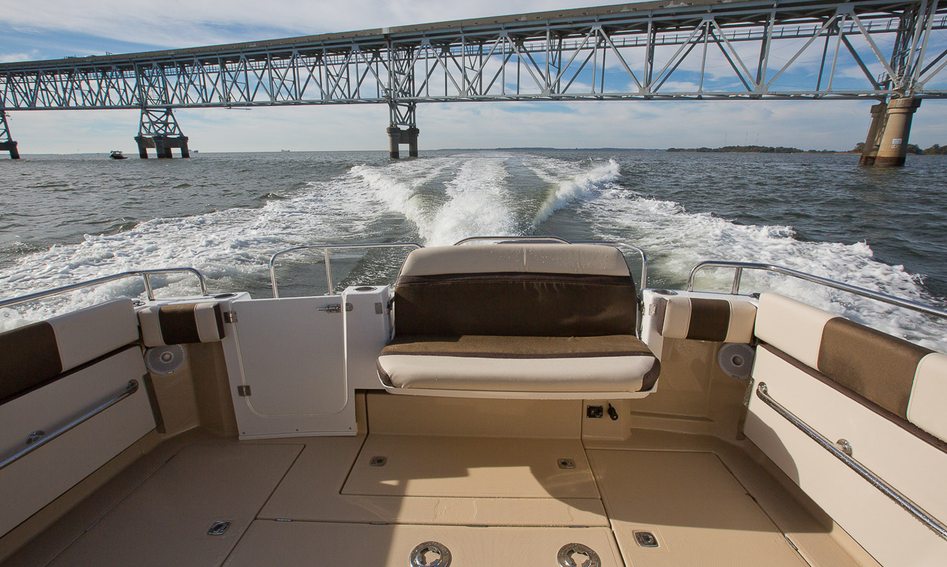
<point>728,319</point>
<point>181,323</point>
<point>33,355</point>
<point>612,363</point>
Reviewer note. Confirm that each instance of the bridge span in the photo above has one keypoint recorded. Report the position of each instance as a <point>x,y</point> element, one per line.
<point>892,51</point>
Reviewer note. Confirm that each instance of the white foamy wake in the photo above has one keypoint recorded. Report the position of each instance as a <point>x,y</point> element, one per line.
<point>451,198</point>
<point>228,244</point>
<point>397,187</point>
<point>475,200</point>
<point>570,183</point>
<point>677,240</point>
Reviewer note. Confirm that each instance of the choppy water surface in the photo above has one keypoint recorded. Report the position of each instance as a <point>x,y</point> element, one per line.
<point>64,219</point>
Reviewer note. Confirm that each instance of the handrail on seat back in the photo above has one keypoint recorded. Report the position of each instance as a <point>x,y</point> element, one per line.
<point>327,249</point>
<point>739,267</point>
<point>145,275</point>
<point>529,239</point>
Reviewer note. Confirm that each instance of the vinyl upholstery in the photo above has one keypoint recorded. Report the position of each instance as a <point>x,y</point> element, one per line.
<point>517,317</point>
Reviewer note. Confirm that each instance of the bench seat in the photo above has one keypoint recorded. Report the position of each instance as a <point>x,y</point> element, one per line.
<point>610,363</point>
<point>529,320</point>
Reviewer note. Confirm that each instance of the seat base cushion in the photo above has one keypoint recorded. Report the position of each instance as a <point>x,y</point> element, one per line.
<point>613,363</point>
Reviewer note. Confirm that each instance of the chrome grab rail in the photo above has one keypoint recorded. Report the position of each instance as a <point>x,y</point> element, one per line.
<point>37,439</point>
<point>536,238</point>
<point>738,268</point>
<point>901,500</point>
<point>326,253</point>
<point>560,240</point>
<point>144,274</point>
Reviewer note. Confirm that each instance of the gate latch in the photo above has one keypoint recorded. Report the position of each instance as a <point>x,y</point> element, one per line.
<point>334,308</point>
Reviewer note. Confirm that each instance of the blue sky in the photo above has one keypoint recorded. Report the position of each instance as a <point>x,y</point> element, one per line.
<point>57,28</point>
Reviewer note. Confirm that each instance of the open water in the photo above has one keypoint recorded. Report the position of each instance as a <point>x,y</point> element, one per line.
<point>69,218</point>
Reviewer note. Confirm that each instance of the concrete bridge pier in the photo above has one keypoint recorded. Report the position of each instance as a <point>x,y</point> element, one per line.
<point>162,146</point>
<point>10,146</point>
<point>160,130</point>
<point>397,136</point>
<point>887,142</point>
<point>7,144</point>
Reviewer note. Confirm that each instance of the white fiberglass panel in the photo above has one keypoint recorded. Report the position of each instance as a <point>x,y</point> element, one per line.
<point>287,367</point>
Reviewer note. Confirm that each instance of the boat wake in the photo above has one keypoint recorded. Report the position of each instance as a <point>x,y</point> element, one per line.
<point>676,240</point>
<point>441,200</point>
<point>474,200</point>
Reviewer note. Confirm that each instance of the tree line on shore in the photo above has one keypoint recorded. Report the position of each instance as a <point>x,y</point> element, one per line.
<point>936,149</point>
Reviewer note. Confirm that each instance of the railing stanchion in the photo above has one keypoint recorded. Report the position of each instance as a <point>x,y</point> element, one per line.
<point>149,291</point>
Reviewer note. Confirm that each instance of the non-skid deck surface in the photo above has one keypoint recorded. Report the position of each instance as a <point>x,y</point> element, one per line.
<point>165,521</point>
<point>699,513</point>
<point>303,544</point>
<point>449,487</point>
<point>492,501</point>
<point>469,467</point>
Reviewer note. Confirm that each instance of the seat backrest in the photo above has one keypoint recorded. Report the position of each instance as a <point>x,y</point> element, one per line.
<point>516,289</point>
<point>36,354</point>
<point>904,382</point>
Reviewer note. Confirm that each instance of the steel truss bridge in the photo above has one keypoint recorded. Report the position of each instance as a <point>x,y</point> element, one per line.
<point>695,49</point>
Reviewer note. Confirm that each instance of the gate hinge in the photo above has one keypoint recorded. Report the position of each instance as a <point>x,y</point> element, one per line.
<point>243,391</point>
<point>230,317</point>
<point>334,308</point>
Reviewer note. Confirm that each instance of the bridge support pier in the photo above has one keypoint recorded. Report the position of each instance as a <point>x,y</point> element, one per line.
<point>160,130</point>
<point>162,146</point>
<point>397,136</point>
<point>887,142</point>
<point>7,144</point>
<point>402,114</point>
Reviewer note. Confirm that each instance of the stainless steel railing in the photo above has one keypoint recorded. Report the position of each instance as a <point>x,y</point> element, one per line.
<point>37,439</point>
<point>535,239</point>
<point>911,507</point>
<point>328,248</point>
<point>739,267</point>
<point>145,275</point>
<point>326,256</point>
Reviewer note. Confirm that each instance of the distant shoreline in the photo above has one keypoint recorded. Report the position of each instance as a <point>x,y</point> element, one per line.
<point>756,150</point>
<point>912,150</point>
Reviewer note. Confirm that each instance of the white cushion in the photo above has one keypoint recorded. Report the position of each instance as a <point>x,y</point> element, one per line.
<point>89,333</point>
<point>586,259</point>
<point>679,310</point>
<point>793,327</point>
<point>929,395</point>
<point>204,319</point>
<point>579,374</point>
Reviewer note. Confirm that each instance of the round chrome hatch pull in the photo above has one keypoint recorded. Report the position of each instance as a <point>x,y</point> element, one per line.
<point>430,554</point>
<point>571,554</point>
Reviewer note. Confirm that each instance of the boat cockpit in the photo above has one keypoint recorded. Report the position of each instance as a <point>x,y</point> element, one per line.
<point>505,401</point>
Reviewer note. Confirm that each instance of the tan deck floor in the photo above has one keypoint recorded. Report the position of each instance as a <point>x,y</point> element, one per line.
<point>320,501</point>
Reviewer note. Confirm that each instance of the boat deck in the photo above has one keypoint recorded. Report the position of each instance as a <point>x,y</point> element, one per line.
<point>492,500</point>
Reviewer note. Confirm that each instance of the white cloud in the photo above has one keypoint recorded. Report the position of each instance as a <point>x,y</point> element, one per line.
<point>177,23</point>
<point>13,57</point>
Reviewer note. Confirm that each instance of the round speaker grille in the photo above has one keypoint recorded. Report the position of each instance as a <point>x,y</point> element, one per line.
<point>736,360</point>
<point>165,360</point>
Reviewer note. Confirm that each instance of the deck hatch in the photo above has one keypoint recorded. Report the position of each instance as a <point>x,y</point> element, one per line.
<point>218,528</point>
<point>646,539</point>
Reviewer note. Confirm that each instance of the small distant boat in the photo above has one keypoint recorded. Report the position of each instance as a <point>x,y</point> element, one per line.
<point>117,154</point>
